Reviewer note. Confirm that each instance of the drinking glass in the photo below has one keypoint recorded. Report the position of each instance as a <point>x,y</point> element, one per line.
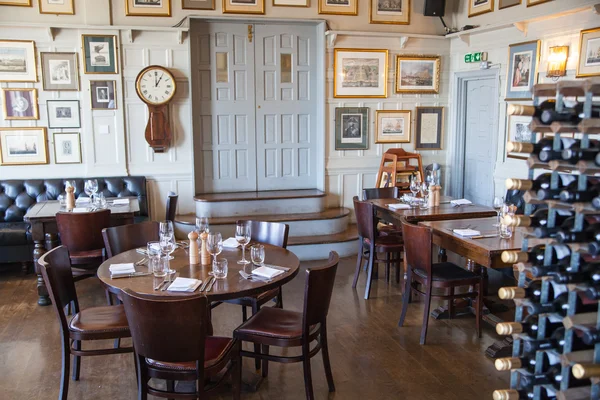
<point>220,269</point>
<point>87,188</point>
<point>506,231</point>
<point>101,201</point>
<point>498,203</point>
<point>166,229</point>
<point>257,254</point>
<point>414,186</point>
<point>202,225</point>
<point>425,189</point>
<point>214,244</point>
<point>159,266</point>
<point>242,235</point>
<point>167,246</point>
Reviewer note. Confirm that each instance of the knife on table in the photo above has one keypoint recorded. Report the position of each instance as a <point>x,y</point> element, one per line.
<point>132,275</point>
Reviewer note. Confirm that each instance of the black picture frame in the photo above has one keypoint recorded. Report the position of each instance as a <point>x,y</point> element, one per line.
<point>351,128</point>
<point>420,144</point>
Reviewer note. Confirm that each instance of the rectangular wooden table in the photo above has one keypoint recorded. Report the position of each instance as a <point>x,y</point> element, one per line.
<point>44,232</point>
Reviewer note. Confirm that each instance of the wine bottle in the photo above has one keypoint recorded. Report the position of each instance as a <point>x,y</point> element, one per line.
<point>553,376</point>
<point>538,271</point>
<point>571,193</point>
<point>533,292</point>
<point>544,149</point>
<point>590,233</point>
<point>541,182</point>
<point>565,182</point>
<point>538,218</point>
<point>574,154</point>
<point>527,362</point>
<point>586,273</point>
<point>536,255</point>
<point>512,394</point>
<point>531,111</point>
<point>529,326</point>
<point>585,371</point>
<point>572,115</point>
<point>591,337</point>
<point>545,232</point>
<point>593,292</point>
<point>555,342</point>
<point>560,305</point>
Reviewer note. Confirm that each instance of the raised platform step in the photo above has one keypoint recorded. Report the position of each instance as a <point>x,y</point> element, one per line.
<point>318,247</point>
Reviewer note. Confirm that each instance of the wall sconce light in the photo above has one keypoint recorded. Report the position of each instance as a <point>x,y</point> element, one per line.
<point>557,61</point>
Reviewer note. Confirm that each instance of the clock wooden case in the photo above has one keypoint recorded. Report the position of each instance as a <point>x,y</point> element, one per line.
<point>156,86</point>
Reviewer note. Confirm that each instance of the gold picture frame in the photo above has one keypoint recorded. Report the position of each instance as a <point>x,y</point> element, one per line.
<point>377,16</point>
<point>18,150</point>
<point>346,64</point>
<point>291,3</point>
<point>333,7</point>
<point>18,106</point>
<point>139,8</point>
<point>408,65</point>
<point>531,3</point>
<point>588,63</point>
<point>75,148</point>
<point>484,7</point>
<point>57,9</point>
<point>243,7</point>
<point>393,126</point>
<point>29,61</point>
<point>16,3</point>
<point>198,4</point>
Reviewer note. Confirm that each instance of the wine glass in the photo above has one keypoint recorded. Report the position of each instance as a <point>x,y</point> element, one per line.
<point>93,186</point>
<point>167,246</point>
<point>414,186</point>
<point>166,229</point>
<point>87,188</point>
<point>202,225</point>
<point>425,189</point>
<point>242,235</point>
<point>498,203</point>
<point>214,244</point>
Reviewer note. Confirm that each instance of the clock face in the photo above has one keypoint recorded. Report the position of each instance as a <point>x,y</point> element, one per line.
<point>156,85</point>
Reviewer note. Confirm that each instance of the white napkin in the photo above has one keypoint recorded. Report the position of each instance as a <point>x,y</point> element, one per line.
<point>267,272</point>
<point>466,232</point>
<point>80,210</point>
<point>184,285</point>
<point>231,243</point>
<point>460,202</point>
<point>120,201</point>
<point>83,200</point>
<point>398,206</point>
<point>117,270</point>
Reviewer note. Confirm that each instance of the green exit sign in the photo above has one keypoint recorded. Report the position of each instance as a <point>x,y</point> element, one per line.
<point>473,57</point>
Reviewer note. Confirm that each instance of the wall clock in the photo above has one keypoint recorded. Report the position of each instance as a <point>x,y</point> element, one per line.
<point>156,86</point>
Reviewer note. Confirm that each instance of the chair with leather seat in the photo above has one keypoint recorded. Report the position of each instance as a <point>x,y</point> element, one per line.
<point>370,244</point>
<point>94,323</point>
<point>81,233</point>
<point>119,239</point>
<point>171,208</point>
<point>171,344</point>
<point>285,328</point>
<point>446,275</point>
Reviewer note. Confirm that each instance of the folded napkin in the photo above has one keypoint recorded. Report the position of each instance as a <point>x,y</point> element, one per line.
<point>184,285</point>
<point>267,272</point>
<point>460,202</point>
<point>398,206</point>
<point>83,200</point>
<point>80,210</point>
<point>117,270</point>
<point>120,201</point>
<point>466,232</point>
<point>231,243</point>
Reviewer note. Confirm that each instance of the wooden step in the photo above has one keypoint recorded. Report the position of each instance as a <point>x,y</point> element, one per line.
<point>349,235</point>
<point>331,213</point>
<point>264,195</point>
<point>318,247</point>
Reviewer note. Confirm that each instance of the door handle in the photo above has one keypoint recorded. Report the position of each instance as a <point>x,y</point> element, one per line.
<point>258,106</point>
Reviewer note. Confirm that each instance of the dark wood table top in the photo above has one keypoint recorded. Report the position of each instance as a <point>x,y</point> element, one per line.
<point>47,210</point>
<point>232,287</point>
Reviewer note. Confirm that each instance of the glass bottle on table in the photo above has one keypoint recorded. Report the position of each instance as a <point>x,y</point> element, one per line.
<point>243,230</point>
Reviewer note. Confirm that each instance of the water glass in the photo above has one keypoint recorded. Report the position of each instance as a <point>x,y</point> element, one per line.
<point>220,269</point>
<point>202,225</point>
<point>159,266</point>
<point>257,254</point>
<point>505,231</point>
<point>101,201</point>
<point>242,235</point>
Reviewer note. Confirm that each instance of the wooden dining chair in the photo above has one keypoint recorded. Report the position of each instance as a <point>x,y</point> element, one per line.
<point>285,328</point>
<point>94,323</point>
<point>445,275</point>
<point>171,208</point>
<point>119,239</point>
<point>171,344</point>
<point>370,244</point>
<point>393,192</point>
<point>81,233</point>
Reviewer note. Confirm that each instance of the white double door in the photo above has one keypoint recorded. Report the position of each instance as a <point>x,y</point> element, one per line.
<point>258,120</point>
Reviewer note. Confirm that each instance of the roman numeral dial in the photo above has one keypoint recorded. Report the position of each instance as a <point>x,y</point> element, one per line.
<point>155,85</point>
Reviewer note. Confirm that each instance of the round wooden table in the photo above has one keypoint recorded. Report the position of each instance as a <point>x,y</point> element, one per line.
<point>232,287</point>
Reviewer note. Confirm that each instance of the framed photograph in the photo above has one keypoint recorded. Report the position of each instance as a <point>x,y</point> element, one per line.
<point>360,73</point>
<point>292,3</point>
<point>389,12</point>
<point>17,61</point>
<point>523,59</point>
<point>103,95</point>
<point>392,126</point>
<point>60,71</point>
<point>56,7</point>
<point>589,53</point>
<point>63,114</point>
<point>351,128</point>
<point>67,148</point>
<point>418,74</point>
<point>338,7</point>
<point>502,4</point>
<point>20,103</point>
<point>198,4</point>
<point>243,6</point>
<point>429,128</point>
<point>531,3</point>
<point>478,7</point>
<point>22,3</point>
<point>518,131</point>
<point>99,54</point>
<point>148,8</point>
<point>23,146</point>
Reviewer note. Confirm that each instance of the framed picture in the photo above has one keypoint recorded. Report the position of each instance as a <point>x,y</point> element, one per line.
<point>502,4</point>
<point>22,3</point>
<point>360,73</point>
<point>17,61</point>
<point>63,114</point>
<point>243,6</point>
<point>148,8</point>
<point>20,103</point>
<point>292,3</point>
<point>23,146</point>
<point>523,59</point>
<point>536,2</point>
<point>478,7</point>
<point>338,7</point>
<point>418,74</point>
<point>429,128</point>
<point>67,148</point>
<point>198,4</point>
<point>60,71</point>
<point>99,54</point>
<point>351,128</point>
<point>392,126</point>
<point>389,12</point>
<point>56,7</point>
<point>589,53</point>
<point>103,95</point>
<point>518,131</point>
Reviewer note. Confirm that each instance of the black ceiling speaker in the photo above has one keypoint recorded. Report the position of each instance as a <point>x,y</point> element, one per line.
<point>434,8</point>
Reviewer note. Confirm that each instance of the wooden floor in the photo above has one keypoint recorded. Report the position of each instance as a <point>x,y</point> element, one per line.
<point>371,357</point>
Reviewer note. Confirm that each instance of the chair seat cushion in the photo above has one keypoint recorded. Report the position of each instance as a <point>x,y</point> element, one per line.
<point>215,348</point>
<point>13,234</point>
<point>387,243</point>
<point>100,320</point>
<point>447,271</point>
<point>274,323</point>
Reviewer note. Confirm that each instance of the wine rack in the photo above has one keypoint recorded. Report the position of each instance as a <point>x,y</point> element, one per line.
<point>571,358</point>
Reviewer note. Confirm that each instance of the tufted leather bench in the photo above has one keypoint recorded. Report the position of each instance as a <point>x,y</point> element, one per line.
<point>17,196</point>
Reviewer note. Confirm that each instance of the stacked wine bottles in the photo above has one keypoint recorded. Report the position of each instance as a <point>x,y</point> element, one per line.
<point>556,333</point>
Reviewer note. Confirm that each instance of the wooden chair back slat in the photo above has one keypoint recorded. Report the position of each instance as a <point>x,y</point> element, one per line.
<point>380,193</point>
<point>82,231</point>
<point>119,239</point>
<point>417,246</point>
<point>273,233</point>
<point>318,290</point>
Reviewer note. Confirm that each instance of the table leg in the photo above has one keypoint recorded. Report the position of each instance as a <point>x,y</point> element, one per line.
<point>38,251</point>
